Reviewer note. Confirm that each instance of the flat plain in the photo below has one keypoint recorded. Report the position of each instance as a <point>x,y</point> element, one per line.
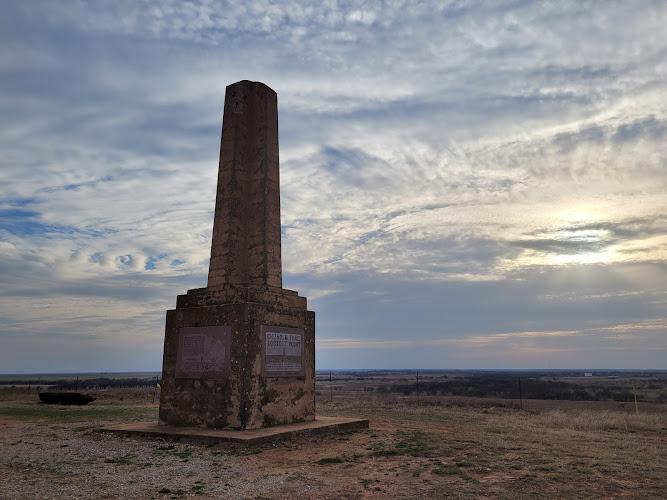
<point>420,445</point>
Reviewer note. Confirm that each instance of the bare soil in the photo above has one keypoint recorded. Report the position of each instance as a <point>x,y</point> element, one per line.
<point>446,448</point>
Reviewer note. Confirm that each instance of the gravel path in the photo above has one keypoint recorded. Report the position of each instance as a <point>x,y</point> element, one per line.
<point>72,461</point>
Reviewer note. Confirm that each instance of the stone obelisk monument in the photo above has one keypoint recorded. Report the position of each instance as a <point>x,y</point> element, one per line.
<point>240,353</point>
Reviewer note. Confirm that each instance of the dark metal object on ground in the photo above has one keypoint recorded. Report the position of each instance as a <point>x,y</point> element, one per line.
<point>65,398</point>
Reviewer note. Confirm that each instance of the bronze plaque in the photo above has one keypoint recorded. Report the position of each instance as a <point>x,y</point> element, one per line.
<point>282,351</point>
<point>204,352</point>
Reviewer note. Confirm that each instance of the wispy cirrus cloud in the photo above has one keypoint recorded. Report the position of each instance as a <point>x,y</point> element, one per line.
<point>326,344</point>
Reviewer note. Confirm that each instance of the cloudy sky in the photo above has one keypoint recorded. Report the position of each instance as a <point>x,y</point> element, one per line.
<point>464,184</point>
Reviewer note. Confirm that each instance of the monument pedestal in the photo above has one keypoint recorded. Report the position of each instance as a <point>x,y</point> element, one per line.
<point>238,357</point>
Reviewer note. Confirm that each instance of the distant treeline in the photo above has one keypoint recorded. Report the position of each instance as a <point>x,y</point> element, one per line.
<point>507,387</point>
<point>487,373</point>
<point>87,384</point>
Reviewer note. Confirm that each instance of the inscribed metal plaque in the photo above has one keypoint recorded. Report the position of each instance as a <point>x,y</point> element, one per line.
<point>282,351</point>
<point>203,352</point>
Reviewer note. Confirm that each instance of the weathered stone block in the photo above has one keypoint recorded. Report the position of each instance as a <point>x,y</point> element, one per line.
<point>243,394</point>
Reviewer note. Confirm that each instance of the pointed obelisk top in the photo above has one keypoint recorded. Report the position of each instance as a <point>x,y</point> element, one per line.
<point>245,248</point>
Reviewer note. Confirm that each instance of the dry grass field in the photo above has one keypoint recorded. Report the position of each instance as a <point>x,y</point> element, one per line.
<point>443,447</point>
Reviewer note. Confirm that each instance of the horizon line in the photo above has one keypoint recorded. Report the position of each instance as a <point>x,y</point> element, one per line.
<point>39,374</point>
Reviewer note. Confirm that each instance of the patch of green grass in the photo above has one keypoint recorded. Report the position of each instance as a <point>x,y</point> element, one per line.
<point>495,431</point>
<point>329,460</point>
<point>56,414</point>
<point>179,493</point>
<point>412,443</point>
<point>446,470</point>
<point>184,454</point>
<point>383,452</point>
<point>453,470</point>
<point>418,443</point>
<point>198,488</point>
<point>125,460</point>
<point>546,468</point>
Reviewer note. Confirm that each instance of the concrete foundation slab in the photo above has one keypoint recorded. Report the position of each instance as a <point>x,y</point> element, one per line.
<point>321,425</point>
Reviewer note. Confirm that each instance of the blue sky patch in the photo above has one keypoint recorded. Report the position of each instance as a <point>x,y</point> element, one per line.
<point>152,261</point>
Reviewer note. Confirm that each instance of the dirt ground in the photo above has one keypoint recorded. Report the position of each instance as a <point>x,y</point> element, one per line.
<point>454,450</point>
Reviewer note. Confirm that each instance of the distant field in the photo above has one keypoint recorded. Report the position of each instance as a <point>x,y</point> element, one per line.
<point>424,386</point>
<point>618,386</point>
<point>42,378</point>
<point>81,381</point>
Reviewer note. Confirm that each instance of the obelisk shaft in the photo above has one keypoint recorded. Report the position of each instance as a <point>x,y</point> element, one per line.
<point>245,249</point>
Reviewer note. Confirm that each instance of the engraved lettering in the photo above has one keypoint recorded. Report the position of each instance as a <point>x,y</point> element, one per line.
<point>283,353</point>
<point>203,352</point>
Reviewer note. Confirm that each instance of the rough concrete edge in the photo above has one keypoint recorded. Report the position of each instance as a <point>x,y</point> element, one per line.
<point>279,435</point>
